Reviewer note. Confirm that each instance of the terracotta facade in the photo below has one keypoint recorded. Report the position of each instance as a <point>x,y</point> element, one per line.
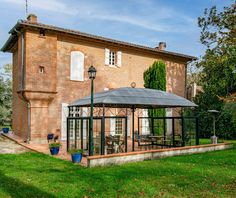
<point>44,92</point>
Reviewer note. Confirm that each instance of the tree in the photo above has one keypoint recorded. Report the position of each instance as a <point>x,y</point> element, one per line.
<point>6,95</point>
<point>155,78</point>
<point>219,36</point>
<point>218,77</point>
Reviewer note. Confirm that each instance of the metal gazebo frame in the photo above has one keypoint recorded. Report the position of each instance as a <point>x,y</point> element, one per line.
<point>129,98</point>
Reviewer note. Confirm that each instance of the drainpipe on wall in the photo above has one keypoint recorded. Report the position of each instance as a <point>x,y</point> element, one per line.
<point>22,80</point>
<point>185,83</point>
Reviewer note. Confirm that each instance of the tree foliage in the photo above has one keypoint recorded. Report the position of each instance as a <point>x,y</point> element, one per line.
<point>155,78</point>
<point>219,36</point>
<point>218,67</point>
<point>6,95</point>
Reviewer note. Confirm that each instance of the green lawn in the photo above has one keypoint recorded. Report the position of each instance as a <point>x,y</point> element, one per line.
<point>201,175</point>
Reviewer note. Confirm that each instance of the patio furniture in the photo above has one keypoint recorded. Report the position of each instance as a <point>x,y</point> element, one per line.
<point>144,139</point>
<point>156,138</point>
<point>114,144</point>
<point>166,141</point>
<point>121,144</point>
<point>109,145</point>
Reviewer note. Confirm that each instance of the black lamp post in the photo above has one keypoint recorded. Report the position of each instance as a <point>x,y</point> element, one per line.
<point>92,75</point>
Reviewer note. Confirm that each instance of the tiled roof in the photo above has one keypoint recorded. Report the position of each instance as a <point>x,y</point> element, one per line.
<point>25,23</point>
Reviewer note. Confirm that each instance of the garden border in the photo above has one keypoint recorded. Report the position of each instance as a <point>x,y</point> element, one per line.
<point>121,158</point>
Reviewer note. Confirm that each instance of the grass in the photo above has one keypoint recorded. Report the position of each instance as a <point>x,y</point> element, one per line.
<point>210,174</point>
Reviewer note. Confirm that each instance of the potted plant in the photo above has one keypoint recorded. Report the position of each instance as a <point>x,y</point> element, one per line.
<point>76,155</point>
<point>54,148</point>
<point>5,129</point>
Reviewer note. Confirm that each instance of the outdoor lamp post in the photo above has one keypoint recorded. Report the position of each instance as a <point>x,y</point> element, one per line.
<point>214,138</point>
<point>92,75</point>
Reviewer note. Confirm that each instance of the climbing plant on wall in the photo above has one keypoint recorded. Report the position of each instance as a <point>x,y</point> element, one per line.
<point>155,78</point>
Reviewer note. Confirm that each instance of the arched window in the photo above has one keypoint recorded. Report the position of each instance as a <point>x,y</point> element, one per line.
<point>77,66</point>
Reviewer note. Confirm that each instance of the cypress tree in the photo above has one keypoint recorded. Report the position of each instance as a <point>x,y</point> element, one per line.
<point>155,78</point>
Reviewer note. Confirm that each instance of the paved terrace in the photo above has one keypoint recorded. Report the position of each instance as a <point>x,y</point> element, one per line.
<point>10,147</point>
<point>42,148</point>
<point>120,158</point>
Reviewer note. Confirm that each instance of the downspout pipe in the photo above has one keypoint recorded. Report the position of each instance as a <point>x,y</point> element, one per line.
<point>22,82</point>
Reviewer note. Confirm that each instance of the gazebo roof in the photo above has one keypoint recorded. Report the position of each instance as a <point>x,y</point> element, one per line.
<point>127,97</point>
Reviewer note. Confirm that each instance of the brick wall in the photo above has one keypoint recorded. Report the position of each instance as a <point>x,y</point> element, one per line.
<point>47,91</point>
<point>19,114</point>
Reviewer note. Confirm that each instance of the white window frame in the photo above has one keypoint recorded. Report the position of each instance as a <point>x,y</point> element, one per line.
<point>113,58</point>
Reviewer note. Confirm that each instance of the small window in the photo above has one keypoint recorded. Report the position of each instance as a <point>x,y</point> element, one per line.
<point>42,33</point>
<point>41,69</point>
<point>113,58</point>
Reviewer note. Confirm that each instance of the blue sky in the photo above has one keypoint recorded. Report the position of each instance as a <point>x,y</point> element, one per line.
<point>145,22</point>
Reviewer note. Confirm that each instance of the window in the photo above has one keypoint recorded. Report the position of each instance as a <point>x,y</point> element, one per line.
<point>77,66</point>
<point>119,126</point>
<point>113,58</point>
<point>42,33</point>
<point>41,70</point>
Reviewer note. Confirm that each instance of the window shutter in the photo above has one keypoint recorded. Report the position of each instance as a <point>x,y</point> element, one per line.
<point>169,121</point>
<point>64,115</point>
<point>128,125</point>
<point>85,122</point>
<point>112,126</point>
<point>145,123</point>
<point>119,54</point>
<point>77,66</point>
<point>107,53</point>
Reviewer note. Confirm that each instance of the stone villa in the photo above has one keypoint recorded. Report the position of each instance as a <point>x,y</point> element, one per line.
<point>50,71</point>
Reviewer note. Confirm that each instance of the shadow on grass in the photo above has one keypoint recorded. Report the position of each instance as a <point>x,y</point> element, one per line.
<point>16,189</point>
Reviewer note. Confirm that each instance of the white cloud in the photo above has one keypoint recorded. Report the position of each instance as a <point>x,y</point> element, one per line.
<point>49,5</point>
<point>155,23</point>
<point>148,16</point>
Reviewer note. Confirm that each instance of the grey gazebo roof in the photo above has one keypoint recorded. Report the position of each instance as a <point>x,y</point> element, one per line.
<point>127,97</point>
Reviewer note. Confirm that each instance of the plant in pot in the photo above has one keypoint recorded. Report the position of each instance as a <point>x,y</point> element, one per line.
<point>76,155</point>
<point>5,129</point>
<point>54,148</point>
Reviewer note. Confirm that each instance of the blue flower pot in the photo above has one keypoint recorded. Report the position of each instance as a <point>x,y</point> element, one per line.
<point>5,130</point>
<point>50,136</point>
<point>54,150</point>
<point>76,158</point>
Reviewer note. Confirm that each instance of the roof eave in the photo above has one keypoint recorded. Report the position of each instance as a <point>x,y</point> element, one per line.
<point>8,44</point>
<point>86,35</point>
<point>11,40</point>
<point>20,23</point>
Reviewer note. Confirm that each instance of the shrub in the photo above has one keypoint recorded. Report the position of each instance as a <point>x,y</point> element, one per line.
<point>76,151</point>
<point>54,144</point>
